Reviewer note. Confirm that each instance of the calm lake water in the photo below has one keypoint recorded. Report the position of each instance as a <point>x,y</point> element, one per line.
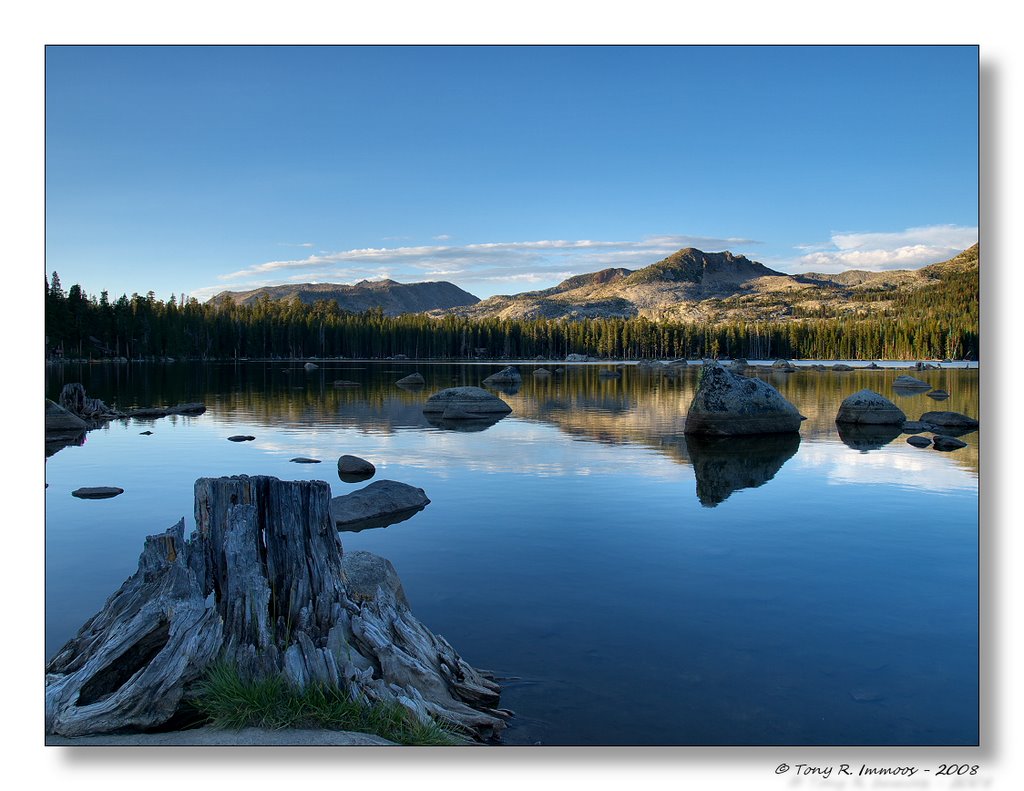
<point>637,587</point>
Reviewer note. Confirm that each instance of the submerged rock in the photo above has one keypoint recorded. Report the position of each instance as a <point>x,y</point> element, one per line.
<point>918,441</point>
<point>304,460</point>
<point>97,492</point>
<point>542,372</point>
<point>412,380</point>
<point>867,406</point>
<point>241,438</point>
<point>727,403</point>
<point>606,374</point>
<point>938,395</point>
<point>905,382</point>
<point>508,375</point>
<point>379,500</point>
<point>914,427</point>
<point>947,443</point>
<point>842,367</point>
<point>194,408</point>
<point>949,420</point>
<point>471,400</point>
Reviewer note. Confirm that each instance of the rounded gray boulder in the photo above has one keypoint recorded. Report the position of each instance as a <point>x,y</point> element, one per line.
<point>353,465</point>
<point>729,404</point>
<point>471,400</point>
<point>867,406</point>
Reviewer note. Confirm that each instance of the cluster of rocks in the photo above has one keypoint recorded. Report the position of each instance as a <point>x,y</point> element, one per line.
<point>868,408</point>
<point>67,420</point>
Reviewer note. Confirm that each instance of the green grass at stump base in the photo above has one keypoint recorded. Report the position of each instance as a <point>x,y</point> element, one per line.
<point>231,702</point>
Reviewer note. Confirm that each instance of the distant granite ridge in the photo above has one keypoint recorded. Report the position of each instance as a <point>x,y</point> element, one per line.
<point>688,285</point>
<point>392,297</point>
<point>692,285</point>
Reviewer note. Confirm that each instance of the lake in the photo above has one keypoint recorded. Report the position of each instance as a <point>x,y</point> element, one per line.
<point>634,586</point>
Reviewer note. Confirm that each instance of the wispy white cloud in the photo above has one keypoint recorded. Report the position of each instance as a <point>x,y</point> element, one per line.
<point>879,251</point>
<point>295,244</point>
<point>531,262</point>
<point>442,237</point>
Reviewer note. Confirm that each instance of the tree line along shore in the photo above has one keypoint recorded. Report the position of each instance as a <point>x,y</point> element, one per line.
<point>942,323</point>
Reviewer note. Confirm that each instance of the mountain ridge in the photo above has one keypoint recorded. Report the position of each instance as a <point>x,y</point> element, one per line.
<point>688,285</point>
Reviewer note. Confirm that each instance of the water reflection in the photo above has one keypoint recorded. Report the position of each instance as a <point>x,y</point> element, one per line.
<point>382,521</point>
<point>641,408</point>
<point>723,465</point>
<point>866,436</point>
<point>469,424</point>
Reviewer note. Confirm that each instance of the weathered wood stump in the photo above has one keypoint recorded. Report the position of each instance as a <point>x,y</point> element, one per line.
<point>262,583</point>
<point>73,399</point>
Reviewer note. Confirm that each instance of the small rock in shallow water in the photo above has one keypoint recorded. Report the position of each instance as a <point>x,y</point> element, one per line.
<point>241,438</point>
<point>945,443</point>
<point>145,433</point>
<point>304,460</point>
<point>918,441</point>
<point>97,492</point>
<point>353,465</point>
<point>938,395</point>
<point>412,380</point>
<point>910,383</point>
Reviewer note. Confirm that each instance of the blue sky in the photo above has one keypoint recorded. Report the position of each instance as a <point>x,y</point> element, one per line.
<point>500,169</point>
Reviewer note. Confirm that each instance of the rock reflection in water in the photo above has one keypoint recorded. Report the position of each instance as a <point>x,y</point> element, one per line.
<point>865,437</point>
<point>723,465</point>
<point>470,424</point>
<point>56,441</point>
<point>383,521</point>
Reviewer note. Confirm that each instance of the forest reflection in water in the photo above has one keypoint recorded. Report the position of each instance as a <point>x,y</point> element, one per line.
<point>641,407</point>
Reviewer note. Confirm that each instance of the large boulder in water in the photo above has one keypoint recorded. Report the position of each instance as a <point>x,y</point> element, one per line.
<point>729,404</point>
<point>867,406</point>
<point>61,420</point>
<point>470,400</point>
<point>378,501</point>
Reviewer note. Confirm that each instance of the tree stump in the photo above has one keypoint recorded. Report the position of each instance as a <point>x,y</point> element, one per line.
<point>262,583</point>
